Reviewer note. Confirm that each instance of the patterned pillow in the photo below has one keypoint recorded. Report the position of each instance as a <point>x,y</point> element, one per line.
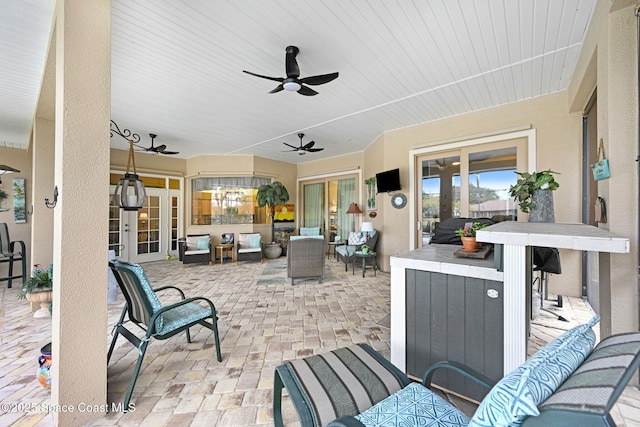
<point>414,405</point>
<point>356,238</point>
<point>517,395</point>
<point>202,244</point>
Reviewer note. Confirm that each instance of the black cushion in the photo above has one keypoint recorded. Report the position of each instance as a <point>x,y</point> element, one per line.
<point>445,232</point>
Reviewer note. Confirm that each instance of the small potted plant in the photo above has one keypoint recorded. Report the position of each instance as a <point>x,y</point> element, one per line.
<point>39,289</point>
<point>364,249</point>
<point>467,235</point>
<point>534,189</point>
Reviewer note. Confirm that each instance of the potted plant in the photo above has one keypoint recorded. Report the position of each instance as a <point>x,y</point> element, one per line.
<point>467,235</point>
<point>39,289</point>
<point>271,195</point>
<point>532,191</point>
<point>364,249</point>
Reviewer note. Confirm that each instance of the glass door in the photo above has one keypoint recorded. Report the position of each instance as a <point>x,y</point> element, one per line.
<point>470,182</point>
<point>142,235</point>
<point>325,205</point>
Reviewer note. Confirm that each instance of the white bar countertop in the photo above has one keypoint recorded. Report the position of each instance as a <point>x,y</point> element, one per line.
<point>440,259</point>
<point>560,235</point>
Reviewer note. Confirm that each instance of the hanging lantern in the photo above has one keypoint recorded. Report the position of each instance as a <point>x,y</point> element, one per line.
<point>130,191</point>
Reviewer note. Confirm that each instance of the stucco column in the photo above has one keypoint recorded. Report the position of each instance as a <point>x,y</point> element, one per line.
<point>621,149</point>
<point>80,248</point>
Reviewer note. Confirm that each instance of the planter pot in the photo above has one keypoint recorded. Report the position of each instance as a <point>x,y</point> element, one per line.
<point>469,244</point>
<point>273,250</point>
<point>44,366</point>
<point>43,298</point>
<point>543,212</point>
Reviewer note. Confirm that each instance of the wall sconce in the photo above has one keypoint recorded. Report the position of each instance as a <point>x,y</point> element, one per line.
<point>130,191</point>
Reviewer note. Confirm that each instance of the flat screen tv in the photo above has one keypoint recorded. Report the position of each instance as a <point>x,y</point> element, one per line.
<point>388,181</point>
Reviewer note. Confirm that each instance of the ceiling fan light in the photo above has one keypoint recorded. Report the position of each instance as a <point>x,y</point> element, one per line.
<point>292,86</point>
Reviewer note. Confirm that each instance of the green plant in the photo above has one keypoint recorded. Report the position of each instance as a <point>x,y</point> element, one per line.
<point>523,189</point>
<point>3,194</point>
<point>271,195</point>
<point>40,280</point>
<point>469,230</point>
<point>364,248</point>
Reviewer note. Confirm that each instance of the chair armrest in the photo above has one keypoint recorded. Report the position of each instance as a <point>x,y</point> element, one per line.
<point>345,421</point>
<point>460,368</point>
<point>162,288</point>
<point>22,247</point>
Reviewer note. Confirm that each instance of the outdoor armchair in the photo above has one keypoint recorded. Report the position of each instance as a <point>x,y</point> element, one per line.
<point>159,321</point>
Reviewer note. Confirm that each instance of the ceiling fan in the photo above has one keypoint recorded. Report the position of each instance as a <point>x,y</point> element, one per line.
<point>292,82</point>
<point>303,149</point>
<point>160,149</point>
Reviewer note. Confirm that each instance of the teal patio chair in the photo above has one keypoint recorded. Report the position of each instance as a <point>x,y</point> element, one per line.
<point>161,322</point>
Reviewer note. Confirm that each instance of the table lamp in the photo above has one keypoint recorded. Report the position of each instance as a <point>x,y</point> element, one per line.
<point>366,227</point>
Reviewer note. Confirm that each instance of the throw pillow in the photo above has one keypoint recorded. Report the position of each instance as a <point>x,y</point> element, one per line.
<point>356,238</point>
<point>254,240</point>
<point>202,244</point>
<point>309,231</point>
<point>517,395</point>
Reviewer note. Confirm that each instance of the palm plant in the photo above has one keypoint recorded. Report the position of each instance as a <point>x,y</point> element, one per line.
<point>271,195</point>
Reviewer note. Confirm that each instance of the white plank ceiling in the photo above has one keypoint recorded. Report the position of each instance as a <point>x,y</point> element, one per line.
<point>177,67</point>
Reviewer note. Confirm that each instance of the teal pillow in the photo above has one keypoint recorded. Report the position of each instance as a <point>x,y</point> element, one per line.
<point>254,241</point>
<point>202,244</point>
<point>519,393</point>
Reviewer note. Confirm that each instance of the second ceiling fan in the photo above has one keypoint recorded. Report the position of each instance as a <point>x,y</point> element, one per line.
<point>303,149</point>
<point>292,82</point>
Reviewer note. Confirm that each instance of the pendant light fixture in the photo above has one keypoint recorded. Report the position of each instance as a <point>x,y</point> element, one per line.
<point>130,191</point>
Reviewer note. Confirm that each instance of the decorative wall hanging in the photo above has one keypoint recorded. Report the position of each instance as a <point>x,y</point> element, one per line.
<point>601,167</point>
<point>371,193</point>
<point>19,201</point>
<point>398,200</point>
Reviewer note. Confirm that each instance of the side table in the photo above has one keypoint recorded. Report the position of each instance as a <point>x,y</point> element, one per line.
<point>364,257</point>
<point>224,250</point>
<point>332,246</point>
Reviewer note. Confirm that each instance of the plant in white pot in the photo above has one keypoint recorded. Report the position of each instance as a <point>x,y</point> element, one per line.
<point>271,195</point>
<point>532,191</point>
<point>39,289</point>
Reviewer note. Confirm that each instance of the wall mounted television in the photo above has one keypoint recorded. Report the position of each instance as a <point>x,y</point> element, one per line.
<point>388,181</point>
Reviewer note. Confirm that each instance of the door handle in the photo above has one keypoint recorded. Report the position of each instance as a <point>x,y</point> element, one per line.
<point>419,226</point>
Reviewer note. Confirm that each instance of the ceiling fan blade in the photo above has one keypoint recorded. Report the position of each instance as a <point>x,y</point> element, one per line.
<point>307,91</point>
<point>275,79</point>
<point>277,89</point>
<point>158,149</point>
<point>314,150</point>
<point>309,145</point>
<point>319,80</point>
<point>288,145</point>
<point>170,152</point>
<point>291,65</point>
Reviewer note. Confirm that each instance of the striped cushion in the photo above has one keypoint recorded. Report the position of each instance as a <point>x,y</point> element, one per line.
<point>414,405</point>
<point>345,381</point>
<point>592,385</point>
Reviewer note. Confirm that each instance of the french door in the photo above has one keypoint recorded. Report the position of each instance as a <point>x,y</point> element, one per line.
<point>150,233</point>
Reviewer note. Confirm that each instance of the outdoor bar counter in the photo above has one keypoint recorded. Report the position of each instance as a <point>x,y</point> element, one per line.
<point>448,308</point>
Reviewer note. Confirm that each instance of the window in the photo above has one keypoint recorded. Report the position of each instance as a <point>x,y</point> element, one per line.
<point>226,200</point>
